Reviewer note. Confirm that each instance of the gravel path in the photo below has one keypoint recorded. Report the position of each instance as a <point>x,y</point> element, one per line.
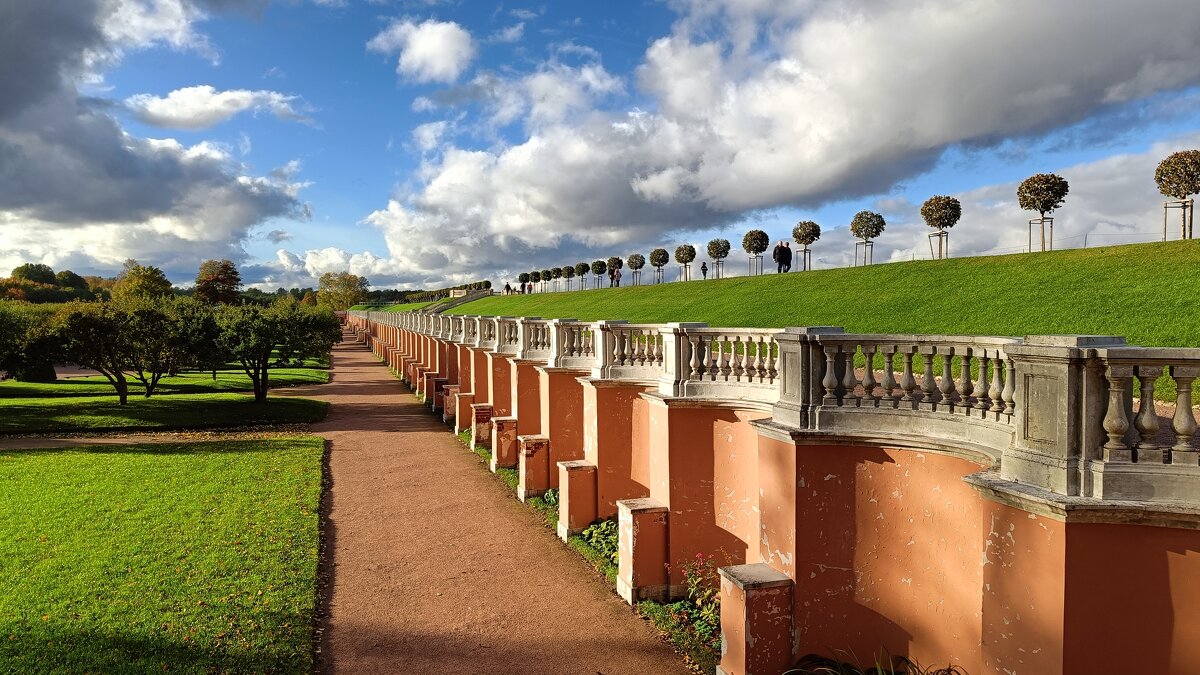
<point>433,567</point>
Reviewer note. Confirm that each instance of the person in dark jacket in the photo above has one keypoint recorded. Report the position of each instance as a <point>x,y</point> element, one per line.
<point>787,256</point>
<point>777,257</point>
<point>704,269</point>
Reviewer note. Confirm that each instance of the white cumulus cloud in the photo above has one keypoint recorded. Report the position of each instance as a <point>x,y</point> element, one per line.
<point>201,107</point>
<point>430,51</point>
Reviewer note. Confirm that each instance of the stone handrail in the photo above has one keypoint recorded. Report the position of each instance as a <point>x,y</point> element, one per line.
<point>533,339</point>
<point>572,344</point>
<point>719,361</point>
<point>626,351</point>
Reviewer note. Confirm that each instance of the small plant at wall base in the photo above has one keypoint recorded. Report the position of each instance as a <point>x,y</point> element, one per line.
<point>814,664</point>
<point>602,536</point>
<point>704,594</point>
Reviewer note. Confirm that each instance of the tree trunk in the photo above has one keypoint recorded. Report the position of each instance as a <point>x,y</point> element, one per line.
<point>122,388</point>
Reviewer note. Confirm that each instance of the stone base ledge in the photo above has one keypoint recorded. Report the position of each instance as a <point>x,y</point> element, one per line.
<point>1083,509</point>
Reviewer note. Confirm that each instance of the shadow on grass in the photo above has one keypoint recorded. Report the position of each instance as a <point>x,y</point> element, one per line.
<point>169,413</point>
<point>69,649</point>
<point>192,448</point>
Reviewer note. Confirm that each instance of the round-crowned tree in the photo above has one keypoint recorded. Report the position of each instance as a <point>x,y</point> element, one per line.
<point>941,212</point>
<point>547,275</point>
<point>523,278</point>
<point>581,269</point>
<point>599,267</point>
<point>684,255</point>
<point>568,272</point>
<point>718,250</point>
<point>658,259</point>
<point>1178,177</point>
<point>867,225</point>
<point>535,276</point>
<point>755,242</point>
<point>1043,193</point>
<point>636,262</point>
<point>615,262</point>
<point>805,233</point>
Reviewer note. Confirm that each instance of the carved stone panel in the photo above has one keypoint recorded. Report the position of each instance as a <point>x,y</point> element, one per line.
<point>1042,400</point>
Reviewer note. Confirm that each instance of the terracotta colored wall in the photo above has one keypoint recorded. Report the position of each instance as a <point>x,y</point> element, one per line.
<point>561,405</point>
<point>526,397</point>
<point>1133,599</point>
<point>501,385</point>
<point>481,379</point>
<point>609,433</point>
<point>703,466</point>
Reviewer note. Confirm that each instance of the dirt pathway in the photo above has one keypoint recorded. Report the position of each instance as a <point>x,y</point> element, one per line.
<point>436,568</point>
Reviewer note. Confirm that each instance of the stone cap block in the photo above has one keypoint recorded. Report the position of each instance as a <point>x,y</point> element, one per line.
<point>754,576</point>
<point>642,505</point>
<point>1074,341</point>
<point>533,438</point>
<point>577,465</point>
<point>814,330</point>
<point>502,420</point>
<point>481,406</point>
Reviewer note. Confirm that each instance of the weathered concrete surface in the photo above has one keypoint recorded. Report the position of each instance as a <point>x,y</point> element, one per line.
<point>437,568</point>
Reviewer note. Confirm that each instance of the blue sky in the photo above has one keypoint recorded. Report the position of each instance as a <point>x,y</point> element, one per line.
<point>424,143</point>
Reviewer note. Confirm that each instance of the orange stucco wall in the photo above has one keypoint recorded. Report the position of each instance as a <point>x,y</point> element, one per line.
<point>561,405</point>
<point>500,368</point>
<point>613,417</point>
<point>525,394</point>
<point>481,378</point>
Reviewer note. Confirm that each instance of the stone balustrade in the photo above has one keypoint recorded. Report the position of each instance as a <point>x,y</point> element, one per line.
<point>1052,412</point>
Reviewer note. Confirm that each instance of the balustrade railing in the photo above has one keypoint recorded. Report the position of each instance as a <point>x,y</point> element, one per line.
<point>572,344</point>
<point>730,363</point>
<point>628,351</point>
<point>534,339</point>
<point>1138,436</point>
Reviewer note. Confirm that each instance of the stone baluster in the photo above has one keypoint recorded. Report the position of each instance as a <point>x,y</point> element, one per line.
<point>928,384</point>
<point>1116,425</point>
<point>965,387</point>
<point>888,397</point>
<point>946,386</point>
<point>1008,394</point>
<point>771,367</point>
<point>830,381</point>
<point>907,382</point>
<point>694,345</point>
<point>1184,422</point>
<point>710,367</point>
<point>983,400</point>
<point>1146,420</point>
<point>742,361</point>
<point>849,379</point>
<point>619,347</point>
<point>723,364</point>
<point>759,371</point>
<point>996,390</point>
<point>868,380</point>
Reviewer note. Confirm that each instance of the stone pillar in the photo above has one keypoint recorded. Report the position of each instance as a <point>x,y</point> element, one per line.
<point>525,395</point>
<point>481,428</point>
<point>481,377</point>
<point>504,443</point>
<point>1055,389</point>
<point>756,620</point>
<point>614,427</point>
<point>800,364</point>
<point>464,416</point>
<point>533,453</point>
<point>576,497</point>
<point>642,547</point>
<point>500,370</point>
<point>437,400</point>
<point>450,400</point>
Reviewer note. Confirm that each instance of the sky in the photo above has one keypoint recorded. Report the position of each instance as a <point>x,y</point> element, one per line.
<point>426,143</point>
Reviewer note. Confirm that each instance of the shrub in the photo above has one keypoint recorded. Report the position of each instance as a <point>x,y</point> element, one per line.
<point>704,593</point>
<point>755,242</point>
<point>602,536</point>
<point>867,225</point>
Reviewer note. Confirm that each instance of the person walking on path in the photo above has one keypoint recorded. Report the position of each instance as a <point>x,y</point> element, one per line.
<point>704,270</point>
<point>787,256</point>
<point>616,275</point>
<point>777,257</point>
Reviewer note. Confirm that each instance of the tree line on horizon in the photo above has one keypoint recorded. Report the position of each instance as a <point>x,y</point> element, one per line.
<point>1177,177</point>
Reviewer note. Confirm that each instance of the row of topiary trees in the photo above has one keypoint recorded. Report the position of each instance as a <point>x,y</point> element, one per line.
<point>1177,176</point>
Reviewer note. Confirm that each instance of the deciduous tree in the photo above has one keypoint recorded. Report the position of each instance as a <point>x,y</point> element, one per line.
<point>35,272</point>
<point>341,290</point>
<point>141,282</point>
<point>259,337</point>
<point>96,335</point>
<point>867,225</point>
<point>218,282</point>
<point>1178,177</point>
<point>1043,192</point>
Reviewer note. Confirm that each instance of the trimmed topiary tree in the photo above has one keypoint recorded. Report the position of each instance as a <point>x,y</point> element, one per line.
<point>599,267</point>
<point>556,274</point>
<point>547,275</point>
<point>866,225</point>
<point>581,270</point>
<point>1178,177</point>
<point>941,212</point>
<point>568,272</point>
<point>636,262</point>
<point>1043,193</point>
<point>805,233</point>
<point>754,243</point>
<point>658,259</point>
<point>684,255</point>
<point>718,250</point>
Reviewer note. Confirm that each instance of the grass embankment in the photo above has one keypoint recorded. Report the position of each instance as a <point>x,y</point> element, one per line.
<point>193,411</point>
<point>402,307</point>
<point>185,383</point>
<point>160,558</point>
<point>1146,292</point>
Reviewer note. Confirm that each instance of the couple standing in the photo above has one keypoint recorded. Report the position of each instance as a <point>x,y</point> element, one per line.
<point>782,255</point>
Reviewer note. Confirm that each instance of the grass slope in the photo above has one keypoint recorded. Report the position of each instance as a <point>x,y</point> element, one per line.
<point>1149,293</point>
<point>197,411</point>
<point>185,383</point>
<point>160,558</point>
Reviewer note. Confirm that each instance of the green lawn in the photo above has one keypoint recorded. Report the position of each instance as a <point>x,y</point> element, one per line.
<point>196,411</point>
<point>160,558</point>
<point>1149,293</point>
<point>185,383</point>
